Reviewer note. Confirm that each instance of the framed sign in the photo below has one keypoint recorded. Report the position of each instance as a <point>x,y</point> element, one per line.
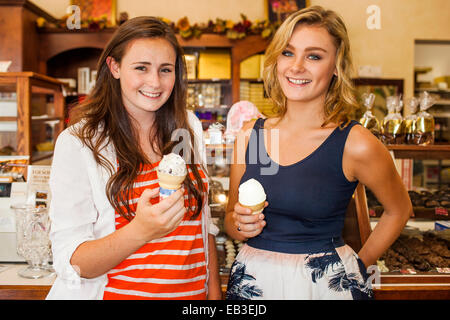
<point>96,9</point>
<point>278,10</point>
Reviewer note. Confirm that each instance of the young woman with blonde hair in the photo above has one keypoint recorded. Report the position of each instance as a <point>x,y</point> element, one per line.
<point>294,248</point>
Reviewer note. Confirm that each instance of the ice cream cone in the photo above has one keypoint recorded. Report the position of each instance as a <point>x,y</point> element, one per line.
<point>168,181</point>
<point>257,208</point>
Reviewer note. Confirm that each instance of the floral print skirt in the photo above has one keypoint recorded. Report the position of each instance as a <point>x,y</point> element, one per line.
<point>334,275</point>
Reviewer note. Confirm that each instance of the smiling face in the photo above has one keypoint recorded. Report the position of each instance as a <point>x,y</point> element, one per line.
<point>306,66</point>
<point>147,76</point>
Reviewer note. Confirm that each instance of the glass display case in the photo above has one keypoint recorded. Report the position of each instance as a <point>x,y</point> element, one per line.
<point>31,114</point>
<point>418,263</point>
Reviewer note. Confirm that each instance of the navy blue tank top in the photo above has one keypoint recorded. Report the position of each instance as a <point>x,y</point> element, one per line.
<point>307,200</point>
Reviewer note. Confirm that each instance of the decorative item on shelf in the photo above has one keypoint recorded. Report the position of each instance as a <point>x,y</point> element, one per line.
<point>215,132</point>
<point>240,113</point>
<point>254,92</point>
<point>442,83</point>
<point>239,30</point>
<point>93,79</point>
<point>13,167</point>
<point>83,80</point>
<point>211,94</point>
<point>392,130</point>
<point>382,88</point>
<point>234,31</point>
<point>123,17</point>
<point>191,66</point>
<point>410,120</point>
<point>204,96</point>
<point>425,121</point>
<point>217,198</point>
<point>214,64</point>
<point>368,120</point>
<point>252,67</point>
<point>70,86</point>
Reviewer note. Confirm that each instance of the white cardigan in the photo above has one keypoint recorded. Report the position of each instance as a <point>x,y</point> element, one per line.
<point>80,211</point>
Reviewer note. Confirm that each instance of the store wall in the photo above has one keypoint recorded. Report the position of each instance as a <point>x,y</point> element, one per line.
<point>195,10</point>
<point>391,47</point>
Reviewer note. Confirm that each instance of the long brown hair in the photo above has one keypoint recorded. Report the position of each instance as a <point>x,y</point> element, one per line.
<point>340,100</point>
<point>103,119</point>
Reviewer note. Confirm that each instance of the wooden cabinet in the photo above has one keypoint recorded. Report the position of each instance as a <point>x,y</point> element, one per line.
<point>32,89</point>
<point>19,40</point>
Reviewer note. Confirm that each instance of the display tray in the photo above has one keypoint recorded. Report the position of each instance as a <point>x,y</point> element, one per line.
<point>427,204</point>
<point>435,213</point>
<point>395,278</point>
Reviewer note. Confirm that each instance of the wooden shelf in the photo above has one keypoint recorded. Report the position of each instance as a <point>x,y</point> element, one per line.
<point>8,118</point>
<point>213,109</point>
<point>219,146</point>
<point>23,292</point>
<point>41,155</point>
<point>420,213</point>
<point>47,119</point>
<point>435,151</point>
<point>218,81</point>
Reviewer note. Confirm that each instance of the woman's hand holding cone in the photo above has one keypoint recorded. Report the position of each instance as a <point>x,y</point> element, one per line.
<point>153,221</point>
<point>247,223</point>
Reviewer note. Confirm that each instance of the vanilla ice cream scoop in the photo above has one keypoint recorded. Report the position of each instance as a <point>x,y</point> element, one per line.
<point>172,164</point>
<point>252,195</point>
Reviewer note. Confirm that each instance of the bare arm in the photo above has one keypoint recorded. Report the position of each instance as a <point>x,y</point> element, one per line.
<point>367,160</point>
<point>96,257</point>
<point>214,285</point>
<point>236,215</point>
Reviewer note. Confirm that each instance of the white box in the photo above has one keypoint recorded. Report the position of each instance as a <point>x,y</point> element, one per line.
<point>83,80</point>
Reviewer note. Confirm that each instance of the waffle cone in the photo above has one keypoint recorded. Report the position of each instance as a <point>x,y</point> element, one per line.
<point>256,208</point>
<point>168,181</point>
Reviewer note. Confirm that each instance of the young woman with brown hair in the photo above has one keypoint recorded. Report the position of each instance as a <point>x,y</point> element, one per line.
<point>294,248</point>
<point>112,238</point>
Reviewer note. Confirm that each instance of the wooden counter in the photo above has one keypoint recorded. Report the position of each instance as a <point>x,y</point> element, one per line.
<point>393,287</point>
<point>14,287</point>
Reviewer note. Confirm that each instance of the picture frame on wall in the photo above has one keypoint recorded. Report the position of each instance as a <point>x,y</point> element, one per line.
<point>279,10</point>
<point>92,9</point>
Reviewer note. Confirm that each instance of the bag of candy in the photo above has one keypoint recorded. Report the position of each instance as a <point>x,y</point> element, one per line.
<point>393,128</point>
<point>368,120</point>
<point>425,121</point>
<point>410,121</point>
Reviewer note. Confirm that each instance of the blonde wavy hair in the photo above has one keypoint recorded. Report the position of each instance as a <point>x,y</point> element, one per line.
<point>340,100</point>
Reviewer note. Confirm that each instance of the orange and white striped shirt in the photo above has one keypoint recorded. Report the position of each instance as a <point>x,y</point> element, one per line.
<point>172,267</point>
